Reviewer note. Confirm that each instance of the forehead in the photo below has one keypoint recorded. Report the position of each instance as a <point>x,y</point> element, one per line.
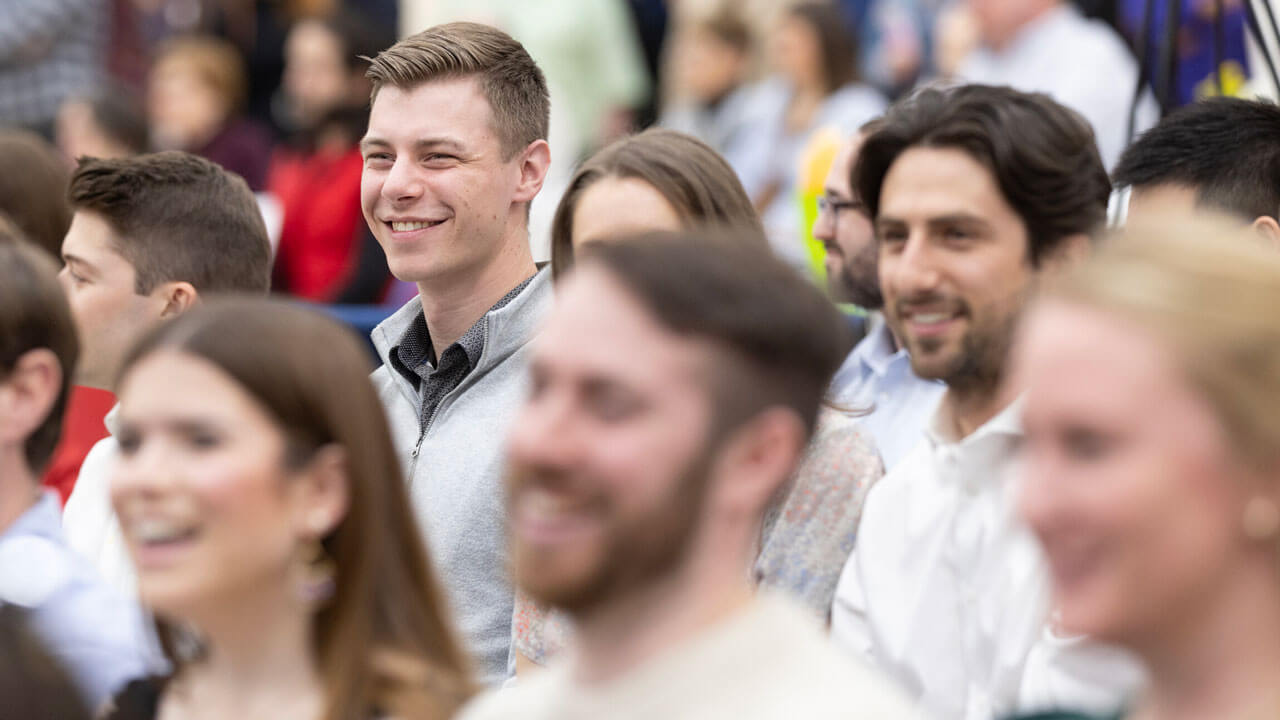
<point>1155,202</point>
<point>91,238</point>
<point>614,206</point>
<point>147,389</point>
<point>599,330</point>
<point>838,177</point>
<point>453,109</point>
<point>926,182</point>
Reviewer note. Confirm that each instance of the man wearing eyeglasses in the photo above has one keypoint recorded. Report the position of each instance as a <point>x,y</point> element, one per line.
<point>877,374</point>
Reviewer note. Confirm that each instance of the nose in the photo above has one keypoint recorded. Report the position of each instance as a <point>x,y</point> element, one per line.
<point>1037,489</point>
<point>824,225</point>
<point>402,183</point>
<point>145,469</point>
<point>545,433</point>
<point>913,270</point>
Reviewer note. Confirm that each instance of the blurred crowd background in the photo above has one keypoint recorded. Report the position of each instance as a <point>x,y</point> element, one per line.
<point>274,90</point>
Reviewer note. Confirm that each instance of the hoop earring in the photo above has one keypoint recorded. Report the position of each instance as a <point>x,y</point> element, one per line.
<point>318,571</point>
<point>1261,519</point>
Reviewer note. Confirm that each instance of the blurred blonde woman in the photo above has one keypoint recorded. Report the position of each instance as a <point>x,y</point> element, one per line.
<point>1153,463</point>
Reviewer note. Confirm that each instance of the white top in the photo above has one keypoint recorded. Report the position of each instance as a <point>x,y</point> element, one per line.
<point>948,591</point>
<point>1079,62</point>
<point>768,661</point>
<point>88,520</point>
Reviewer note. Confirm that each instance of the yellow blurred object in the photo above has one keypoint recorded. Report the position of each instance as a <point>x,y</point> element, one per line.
<point>815,163</point>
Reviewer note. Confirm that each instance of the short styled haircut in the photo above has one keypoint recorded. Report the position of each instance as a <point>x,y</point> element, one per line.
<point>1043,156</point>
<point>699,184</point>
<point>779,339</point>
<point>34,314</point>
<point>512,83</point>
<point>1225,149</point>
<point>178,218</point>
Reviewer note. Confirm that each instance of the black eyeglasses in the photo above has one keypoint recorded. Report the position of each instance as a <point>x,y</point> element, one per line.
<point>834,207</point>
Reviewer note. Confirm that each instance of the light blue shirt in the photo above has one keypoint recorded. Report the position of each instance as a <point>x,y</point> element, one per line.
<point>879,377</point>
<point>97,635</point>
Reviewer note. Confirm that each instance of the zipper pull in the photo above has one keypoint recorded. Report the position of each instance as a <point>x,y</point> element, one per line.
<point>417,447</point>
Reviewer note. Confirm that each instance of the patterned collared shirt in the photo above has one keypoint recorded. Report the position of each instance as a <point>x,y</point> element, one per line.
<point>412,357</point>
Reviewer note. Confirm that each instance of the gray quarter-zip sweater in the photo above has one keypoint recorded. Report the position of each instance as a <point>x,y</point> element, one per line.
<point>454,461</point>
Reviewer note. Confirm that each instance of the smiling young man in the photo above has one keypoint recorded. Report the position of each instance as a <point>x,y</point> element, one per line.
<point>455,152</point>
<point>877,374</point>
<point>95,633</point>
<point>667,410</point>
<point>977,195</point>
<point>150,235</point>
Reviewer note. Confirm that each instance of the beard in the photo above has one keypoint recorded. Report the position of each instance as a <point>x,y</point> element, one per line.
<point>858,281</point>
<point>633,551</point>
<point>977,366</point>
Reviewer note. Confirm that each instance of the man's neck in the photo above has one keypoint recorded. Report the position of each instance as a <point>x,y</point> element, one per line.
<point>972,407</point>
<point>451,306</point>
<point>19,488</point>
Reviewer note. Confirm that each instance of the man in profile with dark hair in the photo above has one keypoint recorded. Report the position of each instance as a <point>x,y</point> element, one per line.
<point>977,195</point>
<point>150,235</point>
<point>667,409</point>
<point>93,632</point>
<point>1219,154</point>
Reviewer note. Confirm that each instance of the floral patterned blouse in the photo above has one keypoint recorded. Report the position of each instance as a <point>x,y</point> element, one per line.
<point>805,539</point>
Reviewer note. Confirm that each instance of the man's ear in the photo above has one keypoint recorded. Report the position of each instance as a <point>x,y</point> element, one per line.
<point>535,161</point>
<point>1269,230</point>
<point>1068,253</point>
<point>28,394</point>
<point>178,297</point>
<point>757,459</point>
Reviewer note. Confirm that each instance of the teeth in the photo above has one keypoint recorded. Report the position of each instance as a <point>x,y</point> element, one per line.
<point>407,226</point>
<point>930,318</point>
<point>155,531</point>
<point>544,504</point>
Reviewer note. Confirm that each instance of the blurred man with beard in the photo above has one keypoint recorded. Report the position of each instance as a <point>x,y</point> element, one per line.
<point>667,409</point>
<point>977,195</point>
<point>877,375</point>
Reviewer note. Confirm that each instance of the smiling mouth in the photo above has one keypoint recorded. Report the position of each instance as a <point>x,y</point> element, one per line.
<point>415,225</point>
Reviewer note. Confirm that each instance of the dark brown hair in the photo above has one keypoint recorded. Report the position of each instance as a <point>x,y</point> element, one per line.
<point>33,188</point>
<point>1042,155</point>
<point>34,314</point>
<point>32,682</point>
<point>178,217</point>
<point>701,187</point>
<point>780,339</point>
<point>383,642</point>
<point>836,46</point>
<point>510,80</point>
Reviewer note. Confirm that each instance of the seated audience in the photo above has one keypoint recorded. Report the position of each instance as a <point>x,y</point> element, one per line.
<point>1049,46</point>
<point>979,195</point>
<point>195,98</point>
<point>664,180</point>
<point>1153,470</point>
<point>271,529</point>
<point>667,409</point>
<point>1221,154</point>
<point>877,374</point>
<point>326,251</point>
<point>150,235</point>
<point>94,633</point>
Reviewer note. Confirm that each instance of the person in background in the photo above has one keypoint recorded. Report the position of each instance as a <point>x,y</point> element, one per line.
<point>75,615</point>
<point>667,410</point>
<point>455,153</point>
<point>664,180</point>
<point>150,235</point>
<point>1220,154</point>
<point>713,60</point>
<point>195,94</point>
<point>48,52</point>
<point>35,201</point>
<point>109,122</point>
<point>979,195</point>
<point>877,374</point>
<point>326,251</point>
<point>270,526</point>
<point>1151,476</point>
<point>816,89</point>
<point>1049,46</point>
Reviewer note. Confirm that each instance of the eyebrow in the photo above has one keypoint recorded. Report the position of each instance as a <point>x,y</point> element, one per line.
<point>960,218</point>
<point>368,143</point>
<point>72,259</point>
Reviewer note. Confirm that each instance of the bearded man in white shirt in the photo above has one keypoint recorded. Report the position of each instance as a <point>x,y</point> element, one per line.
<point>978,194</point>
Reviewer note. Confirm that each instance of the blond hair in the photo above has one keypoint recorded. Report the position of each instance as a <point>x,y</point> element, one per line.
<point>510,80</point>
<point>1210,291</point>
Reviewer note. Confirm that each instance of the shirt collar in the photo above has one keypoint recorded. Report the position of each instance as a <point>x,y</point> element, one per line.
<point>112,420</point>
<point>876,352</point>
<point>940,430</point>
<point>40,520</point>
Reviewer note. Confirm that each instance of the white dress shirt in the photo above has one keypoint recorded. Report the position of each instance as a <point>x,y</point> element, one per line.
<point>89,521</point>
<point>1079,62</point>
<point>878,375</point>
<point>948,591</point>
